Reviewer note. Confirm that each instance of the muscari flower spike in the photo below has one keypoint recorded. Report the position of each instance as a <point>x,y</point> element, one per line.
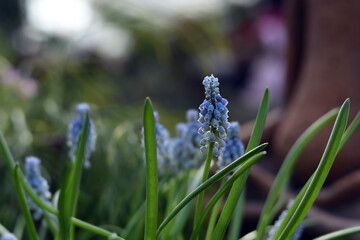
<point>185,146</point>
<point>8,236</point>
<point>162,139</point>
<point>296,235</point>
<point>37,183</point>
<point>213,116</point>
<point>234,148</point>
<point>74,133</point>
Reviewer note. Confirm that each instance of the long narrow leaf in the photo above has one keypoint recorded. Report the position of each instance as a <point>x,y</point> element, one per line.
<point>24,207</point>
<point>239,184</point>
<point>71,185</point>
<point>303,202</point>
<point>10,163</point>
<point>151,209</point>
<point>341,234</point>
<point>284,173</point>
<point>246,160</point>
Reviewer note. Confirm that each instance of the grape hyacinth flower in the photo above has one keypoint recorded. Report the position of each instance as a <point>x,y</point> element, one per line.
<point>8,236</point>
<point>234,148</point>
<point>37,183</point>
<point>296,235</point>
<point>74,133</point>
<point>187,141</point>
<point>213,117</point>
<point>162,139</point>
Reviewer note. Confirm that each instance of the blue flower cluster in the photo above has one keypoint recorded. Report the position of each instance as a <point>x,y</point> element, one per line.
<point>74,133</point>
<point>213,116</point>
<point>8,236</point>
<point>188,141</point>
<point>162,139</point>
<point>180,153</point>
<point>296,235</point>
<point>38,184</point>
<point>234,148</point>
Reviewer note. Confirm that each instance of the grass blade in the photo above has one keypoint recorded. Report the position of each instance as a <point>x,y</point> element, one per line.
<point>235,225</point>
<point>239,184</point>
<point>304,201</point>
<point>10,163</point>
<point>246,160</point>
<point>71,185</point>
<point>151,209</point>
<point>350,130</point>
<point>284,173</point>
<point>24,207</point>
<point>341,234</point>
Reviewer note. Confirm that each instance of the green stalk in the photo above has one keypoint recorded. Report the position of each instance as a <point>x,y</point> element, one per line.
<point>204,177</point>
<point>341,234</point>
<point>304,201</point>
<point>247,160</point>
<point>151,209</point>
<point>10,163</point>
<point>236,220</point>
<point>239,184</point>
<point>213,218</point>
<point>23,204</point>
<point>283,176</point>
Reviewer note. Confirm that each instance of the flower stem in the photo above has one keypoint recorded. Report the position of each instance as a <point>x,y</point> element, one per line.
<point>204,177</point>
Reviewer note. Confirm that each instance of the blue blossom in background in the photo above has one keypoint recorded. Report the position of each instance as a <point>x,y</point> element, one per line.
<point>296,235</point>
<point>187,142</point>
<point>37,183</point>
<point>74,133</point>
<point>213,116</point>
<point>162,139</point>
<point>8,236</point>
<point>234,148</point>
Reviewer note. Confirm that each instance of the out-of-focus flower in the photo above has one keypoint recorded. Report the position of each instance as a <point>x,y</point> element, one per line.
<point>37,183</point>
<point>8,236</point>
<point>234,147</point>
<point>213,116</point>
<point>296,235</point>
<point>188,140</point>
<point>26,87</point>
<point>75,129</point>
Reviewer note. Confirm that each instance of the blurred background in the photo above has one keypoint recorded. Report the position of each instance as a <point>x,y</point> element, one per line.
<point>112,54</point>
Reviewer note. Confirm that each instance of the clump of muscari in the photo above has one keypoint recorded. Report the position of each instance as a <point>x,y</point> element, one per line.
<point>213,117</point>
<point>296,235</point>
<point>74,133</point>
<point>8,236</point>
<point>180,153</point>
<point>162,141</point>
<point>187,141</point>
<point>37,183</point>
<point>234,148</point>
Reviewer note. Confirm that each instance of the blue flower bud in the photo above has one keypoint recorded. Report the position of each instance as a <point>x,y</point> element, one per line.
<point>8,236</point>
<point>74,133</point>
<point>213,111</point>
<point>37,183</point>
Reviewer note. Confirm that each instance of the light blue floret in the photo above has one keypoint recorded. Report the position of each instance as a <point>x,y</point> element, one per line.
<point>74,133</point>
<point>296,235</point>
<point>213,115</point>
<point>234,148</point>
<point>37,183</point>
<point>8,236</point>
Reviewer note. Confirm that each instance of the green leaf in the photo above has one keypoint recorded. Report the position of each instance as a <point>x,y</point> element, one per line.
<point>71,185</point>
<point>282,178</point>
<point>13,171</point>
<point>305,199</point>
<point>151,209</point>
<point>46,207</point>
<point>239,184</point>
<point>23,204</point>
<point>341,234</point>
<point>246,160</point>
